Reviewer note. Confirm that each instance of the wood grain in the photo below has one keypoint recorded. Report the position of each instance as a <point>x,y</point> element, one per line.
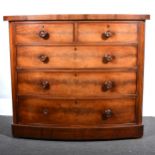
<point>140,72</point>
<point>77,133</point>
<point>77,77</point>
<point>75,112</point>
<point>84,84</point>
<point>78,17</point>
<point>121,32</point>
<point>13,69</point>
<point>58,32</point>
<point>76,56</point>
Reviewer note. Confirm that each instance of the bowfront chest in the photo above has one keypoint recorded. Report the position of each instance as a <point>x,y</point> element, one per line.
<point>77,77</point>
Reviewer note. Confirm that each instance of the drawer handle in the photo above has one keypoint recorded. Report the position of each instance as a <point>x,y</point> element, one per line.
<point>107,85</point>
<point>107,58</point>
<point>43,58</point>
<point>44,34</point>
<point>45,84</point>
<point>107,35</point>
<point>107,114</point>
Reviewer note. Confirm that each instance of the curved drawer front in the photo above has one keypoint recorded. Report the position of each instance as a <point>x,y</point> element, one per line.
<point>76,112</point>
<point>44,33</point>
<point>107,32</point>
<point>76,57</point>
<point>78,84</point>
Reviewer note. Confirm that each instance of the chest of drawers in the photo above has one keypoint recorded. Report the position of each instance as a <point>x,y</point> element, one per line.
<point>77,77</point>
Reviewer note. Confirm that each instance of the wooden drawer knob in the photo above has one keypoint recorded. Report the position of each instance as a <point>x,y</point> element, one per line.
<point>107,35</point>
<point>107,114</point>
<point>44,34</point>
<point>107,85</point>
<point>107,58</point>
<point>44,58</point>
<point>45,84</point>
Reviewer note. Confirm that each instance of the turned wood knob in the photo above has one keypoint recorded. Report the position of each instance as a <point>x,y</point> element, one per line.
<point>107,58</point>
<point>107,114</point>
<point>43,34</point>
<point>45,84</point>
<point>107,35</point>
<point>43,58</point>
<point>107,85</point>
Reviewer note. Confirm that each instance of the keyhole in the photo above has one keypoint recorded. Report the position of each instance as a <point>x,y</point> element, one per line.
<point>108,26</point>
<point>45,111</point>
<point>76,102</point>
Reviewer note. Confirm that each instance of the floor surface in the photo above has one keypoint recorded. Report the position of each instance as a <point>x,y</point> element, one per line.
<point>19,146</point>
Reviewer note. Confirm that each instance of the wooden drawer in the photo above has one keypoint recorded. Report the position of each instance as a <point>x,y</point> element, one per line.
<point>76,56</point>
<point>76,112</point>
<point>76,84</point>
<point>107,32</point>
<point>44,33</point>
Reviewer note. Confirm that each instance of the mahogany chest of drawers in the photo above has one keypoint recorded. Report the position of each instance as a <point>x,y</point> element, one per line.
<point>77,77</point>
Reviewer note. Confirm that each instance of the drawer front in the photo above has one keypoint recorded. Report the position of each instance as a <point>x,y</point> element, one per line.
<point>107,32</point>
<point>76,112</point>
<point>44,33</point>
<point>76,57</point>
<point>76,84</point>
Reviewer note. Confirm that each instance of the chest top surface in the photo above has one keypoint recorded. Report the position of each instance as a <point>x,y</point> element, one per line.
<point>78,17</point>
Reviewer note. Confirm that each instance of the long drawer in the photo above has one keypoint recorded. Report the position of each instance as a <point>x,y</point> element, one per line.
<point>76,112</point>
<point>76,56</point>
<point>76,83</point>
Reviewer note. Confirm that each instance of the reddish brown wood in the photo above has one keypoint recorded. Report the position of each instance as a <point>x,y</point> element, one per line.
<point>120,32</point>
<point>77,84</point>
<point>76,56</point>
<point>13,69</point>
<point>140,72</point>
<point>28,33</point>
<point>78,17</point>
<point>75,112</point>
<point>77,77</point>
<point>77,133</point>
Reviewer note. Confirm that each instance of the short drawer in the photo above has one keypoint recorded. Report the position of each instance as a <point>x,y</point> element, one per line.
<point>76,112</point>
<point>107,32</point>
<point>76,56</point>
<point>44,33</point>
<point>76,84</point>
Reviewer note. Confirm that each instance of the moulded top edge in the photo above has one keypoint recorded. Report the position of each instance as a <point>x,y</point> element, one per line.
<point>70,17</point>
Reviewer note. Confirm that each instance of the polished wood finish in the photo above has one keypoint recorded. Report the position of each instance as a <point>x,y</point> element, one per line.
<point>71,17</point>
<point>97,31</point>
<point>27,33</point>
<point>13,69</point>
<point>140,75</point>
<point>76,56</point>
<point>77,77</point>
<point>76,84</point>
<point>76,112</point>
<point>77,133</point>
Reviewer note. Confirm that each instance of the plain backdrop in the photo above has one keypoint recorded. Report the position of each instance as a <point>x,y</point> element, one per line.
<point>39,7</point>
